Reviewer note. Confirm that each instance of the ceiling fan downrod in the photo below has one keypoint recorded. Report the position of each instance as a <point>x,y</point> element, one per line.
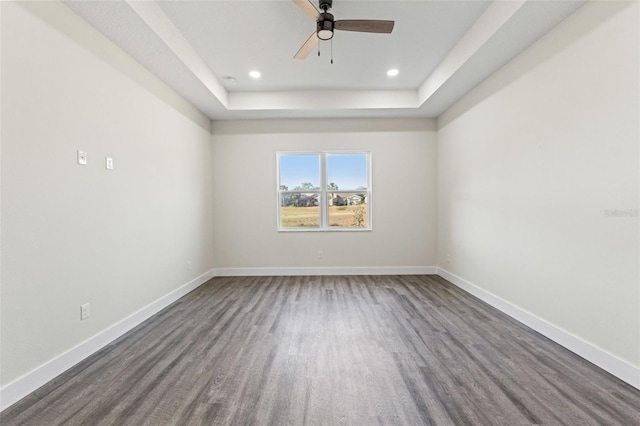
<point>325,5</point>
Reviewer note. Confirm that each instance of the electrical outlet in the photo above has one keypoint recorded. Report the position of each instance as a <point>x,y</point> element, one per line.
<point>84,311</point>
<point>108,163</point>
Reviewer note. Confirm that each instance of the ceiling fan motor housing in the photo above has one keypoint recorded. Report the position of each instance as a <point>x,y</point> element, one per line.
<point>325,26</point>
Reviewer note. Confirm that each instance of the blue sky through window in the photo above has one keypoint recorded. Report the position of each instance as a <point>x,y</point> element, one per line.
<point>295,169</point>
<point>348,171</point>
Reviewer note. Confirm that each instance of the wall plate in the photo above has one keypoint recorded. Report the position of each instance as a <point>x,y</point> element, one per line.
<point>82,157</point>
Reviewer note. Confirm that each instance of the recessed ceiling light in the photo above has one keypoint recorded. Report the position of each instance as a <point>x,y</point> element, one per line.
<point>393,72</point>
<point>254,74</point>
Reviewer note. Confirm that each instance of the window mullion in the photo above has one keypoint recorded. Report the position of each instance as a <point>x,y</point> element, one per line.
<point>324,204</point>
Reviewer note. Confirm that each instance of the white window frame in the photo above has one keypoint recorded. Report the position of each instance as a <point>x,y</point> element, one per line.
<point>324,192</point>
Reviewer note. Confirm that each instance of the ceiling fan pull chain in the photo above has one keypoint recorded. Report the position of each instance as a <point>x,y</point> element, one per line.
<point>318,49</point>
<point>331,50</point>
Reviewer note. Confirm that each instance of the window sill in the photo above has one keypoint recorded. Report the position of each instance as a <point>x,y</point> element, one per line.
<point>325,230</point>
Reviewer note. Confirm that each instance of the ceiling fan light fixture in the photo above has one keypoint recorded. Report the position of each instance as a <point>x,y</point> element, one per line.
<point>325,27</point>
<point>325,34</point>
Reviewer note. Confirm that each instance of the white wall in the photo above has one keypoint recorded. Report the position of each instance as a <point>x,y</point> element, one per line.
<point>403,155</point>
<point>530,163</point>
<point>75,234</point>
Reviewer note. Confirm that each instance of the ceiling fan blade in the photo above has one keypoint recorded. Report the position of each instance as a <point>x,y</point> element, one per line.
<point>307,47</point>
<point>364,26</point>
<point>308,8</point>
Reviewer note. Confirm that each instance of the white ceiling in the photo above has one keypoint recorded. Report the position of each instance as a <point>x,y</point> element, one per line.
<point>442,49</point>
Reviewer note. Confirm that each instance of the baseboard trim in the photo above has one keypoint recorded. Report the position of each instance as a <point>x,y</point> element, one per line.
<point>355,270</point>
<point>23,386</point>
<point>592,353</point>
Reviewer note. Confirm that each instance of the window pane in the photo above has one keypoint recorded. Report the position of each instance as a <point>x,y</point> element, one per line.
<point>348,209</point>
<point>347,171</point>
<point>299,172</point>
<point>299,210</point>
<point>324,191</point>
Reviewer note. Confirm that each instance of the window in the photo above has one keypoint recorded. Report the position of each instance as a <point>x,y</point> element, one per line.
<point>324,191</point>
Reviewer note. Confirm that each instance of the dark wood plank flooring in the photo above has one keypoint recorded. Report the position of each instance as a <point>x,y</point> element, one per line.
<point>359,350</point>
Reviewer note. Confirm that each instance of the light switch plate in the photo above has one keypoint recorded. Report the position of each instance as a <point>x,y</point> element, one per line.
<point>108,163</point>
<point>82,157</point>
<point>85,311</point>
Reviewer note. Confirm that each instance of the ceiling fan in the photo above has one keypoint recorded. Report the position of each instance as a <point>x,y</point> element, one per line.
<point>325,24</point>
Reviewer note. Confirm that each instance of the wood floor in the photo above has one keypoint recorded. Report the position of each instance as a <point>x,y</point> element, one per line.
<point>361,350</point>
